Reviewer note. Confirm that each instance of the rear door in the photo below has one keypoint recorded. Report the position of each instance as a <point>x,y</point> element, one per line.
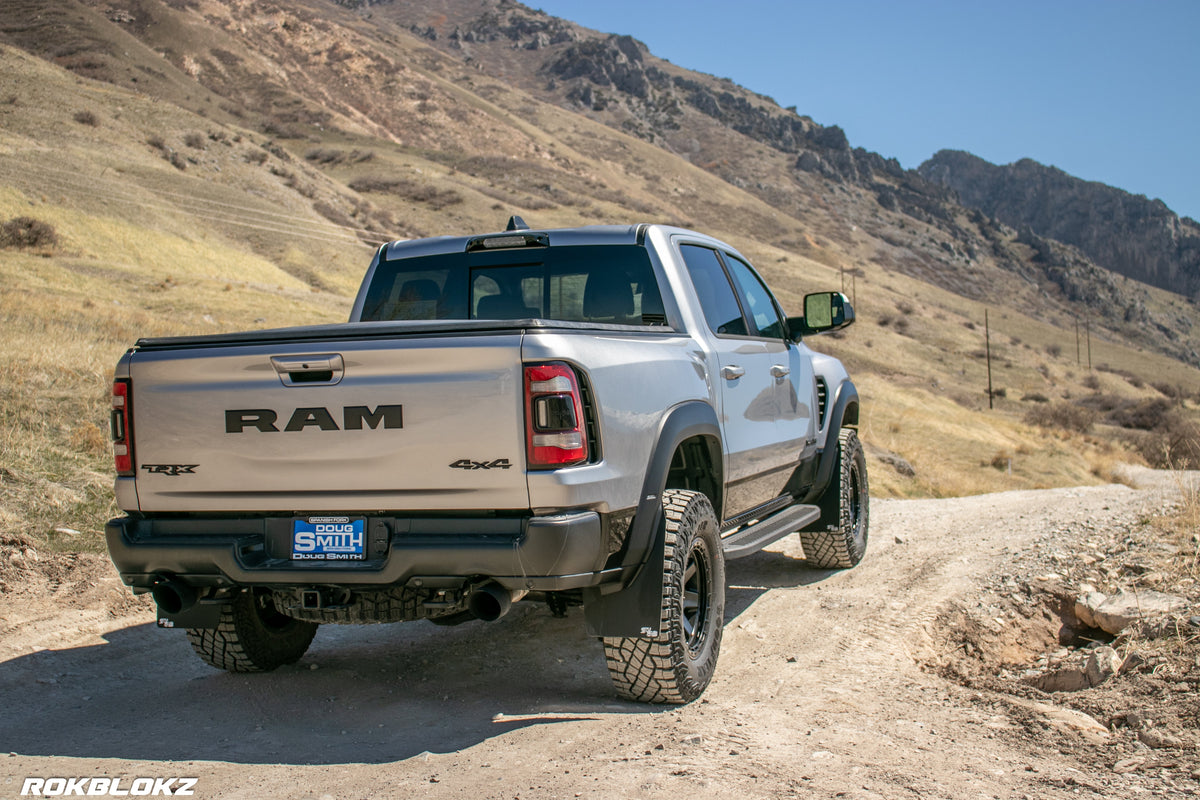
<point>411,423</point>
<point>752,366</point>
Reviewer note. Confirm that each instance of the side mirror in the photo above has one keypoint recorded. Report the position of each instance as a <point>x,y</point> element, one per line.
<point>823,312</point>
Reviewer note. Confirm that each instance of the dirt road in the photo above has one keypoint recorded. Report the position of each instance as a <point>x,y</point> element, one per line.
<point>825,688</point>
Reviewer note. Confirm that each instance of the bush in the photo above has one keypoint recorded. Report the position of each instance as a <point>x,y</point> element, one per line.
<point>1168,390</point>
<point>1091,382</point>
<point>1173,444</point>
<point>1145,416</point>
<point>1065,416</point>
<point>1054,350</point>
<point>27,232</point>
<point>87,118</point>
<point>194,141</point>
<point>411,190</point>
<point>1035,397</point>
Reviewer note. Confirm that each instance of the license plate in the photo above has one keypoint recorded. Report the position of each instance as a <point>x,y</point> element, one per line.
<point>329,539</point>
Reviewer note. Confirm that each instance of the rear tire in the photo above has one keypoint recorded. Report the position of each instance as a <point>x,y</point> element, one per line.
<point>839,538</point>
<point>252,636</point>
<point>676,664</point>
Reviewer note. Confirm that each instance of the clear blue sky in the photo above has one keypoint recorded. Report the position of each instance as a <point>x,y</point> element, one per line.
<point>1107,90</point>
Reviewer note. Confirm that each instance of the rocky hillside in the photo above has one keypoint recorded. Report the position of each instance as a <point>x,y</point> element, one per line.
<point>199,166</point>
<point>1124,232</point>
<point>848,199</point>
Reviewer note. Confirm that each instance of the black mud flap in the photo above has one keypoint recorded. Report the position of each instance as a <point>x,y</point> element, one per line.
<point>636,609</point>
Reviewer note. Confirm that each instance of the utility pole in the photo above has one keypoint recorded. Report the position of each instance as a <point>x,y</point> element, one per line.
<point>987,337</point>
<point>1078,359</point>
<point>1088,325</point>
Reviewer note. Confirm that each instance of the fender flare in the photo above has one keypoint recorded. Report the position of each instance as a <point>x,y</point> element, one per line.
<point>637,606</point>
<point>844,411</point>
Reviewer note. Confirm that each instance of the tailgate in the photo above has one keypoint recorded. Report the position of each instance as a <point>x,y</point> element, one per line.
<point>411,424</point>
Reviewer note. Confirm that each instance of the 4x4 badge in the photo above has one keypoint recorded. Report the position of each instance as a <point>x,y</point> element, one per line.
<point>466,463</point>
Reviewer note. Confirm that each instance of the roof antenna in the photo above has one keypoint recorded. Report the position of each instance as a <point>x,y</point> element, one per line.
<point>515,223</point>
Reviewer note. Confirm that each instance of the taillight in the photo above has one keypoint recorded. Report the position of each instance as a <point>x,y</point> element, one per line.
<point>122,428</point>
<point>555,428</point>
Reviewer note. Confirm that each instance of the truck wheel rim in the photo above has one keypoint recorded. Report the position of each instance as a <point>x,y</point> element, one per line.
<point>855,500</point>
<point>695,596</point>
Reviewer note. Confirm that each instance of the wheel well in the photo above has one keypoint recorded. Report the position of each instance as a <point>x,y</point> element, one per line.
<point>850,417</point>
<point>696,465</point>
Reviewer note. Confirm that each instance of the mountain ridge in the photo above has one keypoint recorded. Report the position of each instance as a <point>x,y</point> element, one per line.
<point>1127,233</point>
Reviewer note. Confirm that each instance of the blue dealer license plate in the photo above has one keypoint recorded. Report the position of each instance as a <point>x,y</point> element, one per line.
<point>329,539</point>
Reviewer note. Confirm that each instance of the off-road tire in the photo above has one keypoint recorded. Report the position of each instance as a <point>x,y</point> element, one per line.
<point>252,636</point>
<point>839,539</point>
<point>675,664</point>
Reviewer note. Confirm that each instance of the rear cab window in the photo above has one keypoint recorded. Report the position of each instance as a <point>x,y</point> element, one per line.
<point>610,284</point>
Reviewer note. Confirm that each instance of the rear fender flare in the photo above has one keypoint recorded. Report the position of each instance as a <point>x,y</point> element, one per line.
<point>635,608</point>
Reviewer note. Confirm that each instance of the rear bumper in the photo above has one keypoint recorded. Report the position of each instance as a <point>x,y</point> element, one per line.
<point>551,553</point>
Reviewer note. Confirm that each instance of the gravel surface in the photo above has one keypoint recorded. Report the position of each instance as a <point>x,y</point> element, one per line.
<point>911,675</point>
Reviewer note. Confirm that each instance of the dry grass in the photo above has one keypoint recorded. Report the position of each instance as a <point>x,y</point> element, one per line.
<point>131,263</point>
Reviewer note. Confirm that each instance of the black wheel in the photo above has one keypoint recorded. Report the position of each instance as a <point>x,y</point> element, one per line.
<point>676,664</point>
<point>252,635</point>
<point>839,539</point>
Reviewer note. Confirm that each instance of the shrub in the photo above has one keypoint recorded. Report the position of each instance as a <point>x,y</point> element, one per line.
<point>1174,443</point>
<point>1145,416</point>
<point>1091,382</point>
<point>27,232</point>
<point>1054,350</point>
<point>1035,397</point>
<point>1066,416</point>
<point>87,118</point>
<point>411,190</point>
<point>1168,390</point>
<point>194,141</point>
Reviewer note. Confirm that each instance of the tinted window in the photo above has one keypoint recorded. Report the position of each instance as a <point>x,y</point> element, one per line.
<point>586,283</point>
<point>720,306</point>
<point>756,299</point>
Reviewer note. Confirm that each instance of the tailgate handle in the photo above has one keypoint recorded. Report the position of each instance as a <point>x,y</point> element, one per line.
<point>324,369</point>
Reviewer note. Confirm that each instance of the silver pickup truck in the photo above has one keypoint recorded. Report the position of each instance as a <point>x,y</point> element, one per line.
<point>597,416</point>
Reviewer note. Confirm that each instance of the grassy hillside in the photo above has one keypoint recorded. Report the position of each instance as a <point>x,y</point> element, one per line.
<point>171,205</point>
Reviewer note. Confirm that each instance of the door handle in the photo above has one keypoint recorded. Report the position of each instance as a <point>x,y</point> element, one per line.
<point>732,372</point>
<point>779,372</point>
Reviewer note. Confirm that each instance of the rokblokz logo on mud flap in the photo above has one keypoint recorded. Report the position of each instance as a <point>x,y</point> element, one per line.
<point>109,787</point>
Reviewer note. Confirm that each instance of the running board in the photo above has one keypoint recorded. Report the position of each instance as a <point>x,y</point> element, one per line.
<point>749,541</point>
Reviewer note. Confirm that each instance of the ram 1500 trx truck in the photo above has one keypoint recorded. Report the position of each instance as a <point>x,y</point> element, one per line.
<point>598,415</point>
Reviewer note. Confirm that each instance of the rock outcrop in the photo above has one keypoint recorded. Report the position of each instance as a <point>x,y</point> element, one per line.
<point>1123,232</point>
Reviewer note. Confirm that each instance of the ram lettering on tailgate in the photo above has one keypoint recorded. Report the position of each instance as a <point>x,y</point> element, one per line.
<point>353,419</point>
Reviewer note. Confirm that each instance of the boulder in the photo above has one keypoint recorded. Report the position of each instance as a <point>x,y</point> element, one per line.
<point>1115,613</point>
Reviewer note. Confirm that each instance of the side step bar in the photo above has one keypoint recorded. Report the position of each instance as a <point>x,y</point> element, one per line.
<point>750,540</point>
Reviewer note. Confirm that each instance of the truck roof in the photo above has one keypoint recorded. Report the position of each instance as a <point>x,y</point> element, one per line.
<point>561,237</point>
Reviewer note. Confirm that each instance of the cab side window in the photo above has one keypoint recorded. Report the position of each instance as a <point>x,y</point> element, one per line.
<point>756,299</point>
<point>720,305</point>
